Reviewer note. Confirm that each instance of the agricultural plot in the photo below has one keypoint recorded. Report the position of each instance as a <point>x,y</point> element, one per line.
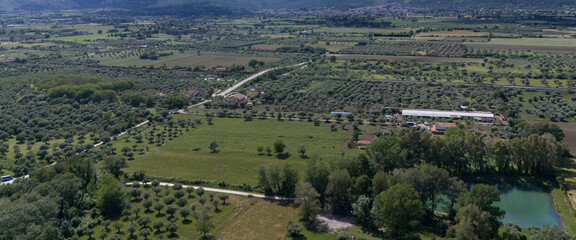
<point>213,61</point>
<point>270,47</point>
<point>349,30</point>
<point>569,129</point>
<point>462,34</point>
<point>559,45</point>
<point>550,42</point>
<point>186,59</point>
<point>333,46</point>
<point>414,48</point>
<point>236,162</point>
<point>406,58</point>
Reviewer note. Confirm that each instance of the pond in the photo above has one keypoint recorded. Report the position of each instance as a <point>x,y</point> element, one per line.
<point>528,205</point>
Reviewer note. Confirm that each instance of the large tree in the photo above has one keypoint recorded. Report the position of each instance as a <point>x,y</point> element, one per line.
<point>483,196</point>
<point>290,179</point>
<point>318,175</point>
<point>307,201</point>
<point>473,224</point>
<point>361,209</point>
<point>338,190</point>
<point>114,164</point>
<point>204,221</point>
<point>398,210</point>
<point>110,197</point>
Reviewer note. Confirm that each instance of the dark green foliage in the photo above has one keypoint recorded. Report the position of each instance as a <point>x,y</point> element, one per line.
<point>273,179</point>
<point>473,223</point>
<point>114,164</point>
<point>111,198</point>
<point>137,99</point>
<point>318,175</point>
<point>175,102</point>
<point>398,209</point>
<point>307,201</point>
<point>338,191</point>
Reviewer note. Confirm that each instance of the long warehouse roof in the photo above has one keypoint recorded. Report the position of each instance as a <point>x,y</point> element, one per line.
<point>444,114</point>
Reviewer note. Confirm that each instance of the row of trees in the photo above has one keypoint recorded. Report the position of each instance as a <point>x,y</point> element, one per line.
<point>467,152</point>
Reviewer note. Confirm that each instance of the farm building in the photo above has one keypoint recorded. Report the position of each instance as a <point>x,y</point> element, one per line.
<point>479,116</point>
<point>441,127</point>
<point>254,92</point>
<point>343,114</point>
<point>194,93</point>
<point>237,97</point>
<point>362,144</point>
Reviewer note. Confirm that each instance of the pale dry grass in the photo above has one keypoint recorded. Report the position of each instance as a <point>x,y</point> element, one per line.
<point>260,219</point>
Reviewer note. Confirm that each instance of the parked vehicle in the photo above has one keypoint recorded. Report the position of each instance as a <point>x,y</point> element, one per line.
<point>7,178</point>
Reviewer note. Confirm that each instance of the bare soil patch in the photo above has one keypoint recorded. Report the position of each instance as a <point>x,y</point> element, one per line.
<point>570,132</point>
<point>329,222</point>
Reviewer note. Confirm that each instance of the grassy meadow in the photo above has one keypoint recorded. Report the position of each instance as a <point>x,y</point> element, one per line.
<point>189,157</point>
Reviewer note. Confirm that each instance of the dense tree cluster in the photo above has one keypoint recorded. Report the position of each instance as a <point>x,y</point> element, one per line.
<point>468,152</point>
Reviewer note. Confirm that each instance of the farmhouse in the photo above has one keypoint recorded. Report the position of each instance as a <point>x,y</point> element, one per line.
<point>211,77</point>
<point>430,113</point>
<point>362,144</point>
<point>194,93</point>
<point>254,92</point>
<point>237,97</point>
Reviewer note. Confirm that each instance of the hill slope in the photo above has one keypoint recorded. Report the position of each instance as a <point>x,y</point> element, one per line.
<point>209,6</point>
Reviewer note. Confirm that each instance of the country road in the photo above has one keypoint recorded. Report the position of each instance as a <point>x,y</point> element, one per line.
<point>231,192</point>
<point>237,85</point>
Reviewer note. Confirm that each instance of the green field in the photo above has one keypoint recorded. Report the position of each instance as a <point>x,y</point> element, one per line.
<point>213,61</point>
<point>349,30</point>
<point>238,159</point>
<point>186,59</point>
<point>565,210</point>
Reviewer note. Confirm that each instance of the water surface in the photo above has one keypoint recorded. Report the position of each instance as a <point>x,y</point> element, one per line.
<point>528,205</point>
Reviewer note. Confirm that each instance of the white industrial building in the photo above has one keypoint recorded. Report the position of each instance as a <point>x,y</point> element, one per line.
<point>480,116</point>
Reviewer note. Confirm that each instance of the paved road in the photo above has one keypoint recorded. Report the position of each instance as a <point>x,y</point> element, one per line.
<point>231,192</point>
<point>237,85</point>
